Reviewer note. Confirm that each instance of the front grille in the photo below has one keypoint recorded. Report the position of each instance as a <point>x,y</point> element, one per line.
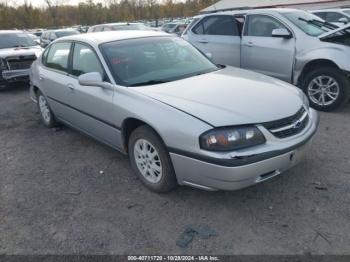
<point>20,62</point>
<point>288,126</point>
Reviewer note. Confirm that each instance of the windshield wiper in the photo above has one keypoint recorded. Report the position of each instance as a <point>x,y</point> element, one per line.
<point>150,82</point>
<point>318,23</point>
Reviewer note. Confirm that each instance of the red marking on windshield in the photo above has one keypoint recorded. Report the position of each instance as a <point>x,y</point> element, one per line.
<point>117,61</point>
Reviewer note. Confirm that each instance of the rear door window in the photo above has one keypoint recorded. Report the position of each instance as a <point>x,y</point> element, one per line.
<point>217,25</point>
<point>58,56</point>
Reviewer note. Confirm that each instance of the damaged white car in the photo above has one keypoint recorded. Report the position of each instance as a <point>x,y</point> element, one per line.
<point>17,53</point>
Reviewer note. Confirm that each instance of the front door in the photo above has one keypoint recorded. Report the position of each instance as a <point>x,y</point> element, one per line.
<point>92,109</point>
<point>261,52</point>
<point>217,35</point>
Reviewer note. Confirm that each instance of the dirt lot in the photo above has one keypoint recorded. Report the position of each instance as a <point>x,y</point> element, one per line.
<point>54,199</point>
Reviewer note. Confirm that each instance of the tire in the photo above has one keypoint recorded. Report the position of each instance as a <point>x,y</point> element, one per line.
<point>46,114</point>
<point>334,96</point>
<point>156,172</point>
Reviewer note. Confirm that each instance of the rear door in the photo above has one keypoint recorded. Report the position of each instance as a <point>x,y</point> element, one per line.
<point>91,107</point>
<point>217,35</point>
<point>263,53</point>
<point>53,76</point>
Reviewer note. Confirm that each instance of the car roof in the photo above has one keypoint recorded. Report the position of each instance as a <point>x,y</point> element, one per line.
<point>254,11</point>
<point>97,38</point>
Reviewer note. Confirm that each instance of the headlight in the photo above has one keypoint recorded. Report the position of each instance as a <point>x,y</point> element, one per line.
<point>234,138</point>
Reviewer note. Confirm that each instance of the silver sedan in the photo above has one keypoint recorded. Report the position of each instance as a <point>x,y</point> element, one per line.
<point>182,119</point>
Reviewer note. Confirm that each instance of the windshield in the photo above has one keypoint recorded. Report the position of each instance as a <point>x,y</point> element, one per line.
<point>130,27</point>
<point>309,23</point>
<point>66,33</point>
<point>153,60</point>
<point>347,12</point>
<point>16,40</point>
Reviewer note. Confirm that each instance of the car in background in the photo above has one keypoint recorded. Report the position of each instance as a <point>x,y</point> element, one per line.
<point>338,17</point>
<point>17,53</point>
<point>168,27</point>
<point>35,38</point>
<point>50,35</point>
<point>178,29</point>
<point>289,44</point>
<point>195,123</point>
<point>118,27</point>
<point>37,33</point>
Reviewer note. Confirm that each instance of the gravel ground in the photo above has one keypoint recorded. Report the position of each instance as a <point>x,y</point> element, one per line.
<point>55,199</point>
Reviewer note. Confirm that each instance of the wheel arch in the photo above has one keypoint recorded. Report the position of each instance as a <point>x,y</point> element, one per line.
<point>129,125</point>
<point>311,65</point>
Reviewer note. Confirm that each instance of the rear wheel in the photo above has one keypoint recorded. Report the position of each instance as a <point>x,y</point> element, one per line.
<point>45,112</point>
<point>327,88</point>
<point>150,160</point>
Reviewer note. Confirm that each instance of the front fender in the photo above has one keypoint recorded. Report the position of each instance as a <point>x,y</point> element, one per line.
<point>336,54</point>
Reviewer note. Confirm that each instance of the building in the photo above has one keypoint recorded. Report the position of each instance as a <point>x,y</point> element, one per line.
<point>225,5</point>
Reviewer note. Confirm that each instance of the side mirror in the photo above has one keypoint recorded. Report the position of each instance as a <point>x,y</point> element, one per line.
<point>343,20</point>
<point>94,79</point>
<point>281,32</point>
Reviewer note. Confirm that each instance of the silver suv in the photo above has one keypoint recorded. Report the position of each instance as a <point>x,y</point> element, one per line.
<point>338,17</point>
<point>292,45</point>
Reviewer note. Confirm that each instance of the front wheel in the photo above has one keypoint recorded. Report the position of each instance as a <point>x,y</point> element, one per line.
<point>150,160</point>
<point>327,88</point>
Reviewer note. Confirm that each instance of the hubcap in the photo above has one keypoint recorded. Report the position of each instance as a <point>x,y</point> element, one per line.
<point>323,90</point>
<point>44,109</point>
<point>148,161</point>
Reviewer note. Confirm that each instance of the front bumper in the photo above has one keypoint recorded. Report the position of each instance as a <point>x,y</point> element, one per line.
<point>241,172</point>
<point>13,75</point>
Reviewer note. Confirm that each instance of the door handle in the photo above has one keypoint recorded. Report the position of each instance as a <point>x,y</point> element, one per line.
<point>71,87</point>
<point>249,44</point>
<point>203,41</point>
<point>41,77</point>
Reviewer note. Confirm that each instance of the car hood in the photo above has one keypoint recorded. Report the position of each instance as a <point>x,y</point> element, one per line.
<point>20,51</point>
<point>330,33</point>
<point>230,96</point>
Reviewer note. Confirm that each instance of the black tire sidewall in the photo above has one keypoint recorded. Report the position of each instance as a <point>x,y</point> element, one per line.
<point>52,121</point>
<point>339,76</point>
<point>168,181</point>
